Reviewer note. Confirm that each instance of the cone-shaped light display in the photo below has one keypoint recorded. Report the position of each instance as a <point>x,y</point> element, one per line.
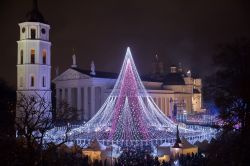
<point>130,114</point>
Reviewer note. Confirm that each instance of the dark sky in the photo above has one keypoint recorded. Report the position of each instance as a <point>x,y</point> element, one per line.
<point>184,31</point>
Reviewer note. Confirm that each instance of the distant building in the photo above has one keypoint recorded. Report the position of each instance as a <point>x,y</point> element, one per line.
<point>174,92</point>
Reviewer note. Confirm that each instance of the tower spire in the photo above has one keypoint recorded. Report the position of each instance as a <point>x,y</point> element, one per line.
<point>34,15</point>
<point>35,6</point>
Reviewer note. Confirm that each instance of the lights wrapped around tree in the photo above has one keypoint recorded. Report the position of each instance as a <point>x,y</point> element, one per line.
<point>129,114</point>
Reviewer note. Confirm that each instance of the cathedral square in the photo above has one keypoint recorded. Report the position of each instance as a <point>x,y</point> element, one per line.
<point>125,84</point>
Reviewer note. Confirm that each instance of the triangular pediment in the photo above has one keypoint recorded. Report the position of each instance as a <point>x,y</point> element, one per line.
<point>71,74</point>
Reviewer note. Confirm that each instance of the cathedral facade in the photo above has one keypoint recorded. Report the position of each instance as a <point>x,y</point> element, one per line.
<point>174,92</point>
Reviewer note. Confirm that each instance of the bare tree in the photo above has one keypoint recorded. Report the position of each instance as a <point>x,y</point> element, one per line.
<point>33,121</point>
<point>66,113</point>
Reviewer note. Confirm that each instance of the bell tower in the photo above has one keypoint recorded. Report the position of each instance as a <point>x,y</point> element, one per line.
<point>33,56</point>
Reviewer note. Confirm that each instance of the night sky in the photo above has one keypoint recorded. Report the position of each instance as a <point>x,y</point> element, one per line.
<point>184,31</point>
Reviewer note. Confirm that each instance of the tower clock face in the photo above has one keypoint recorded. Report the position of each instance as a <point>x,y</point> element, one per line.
<point>23,29</point>
<point>43,31</point>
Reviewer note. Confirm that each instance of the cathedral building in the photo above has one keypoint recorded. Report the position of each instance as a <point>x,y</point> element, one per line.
<point>175,92</point>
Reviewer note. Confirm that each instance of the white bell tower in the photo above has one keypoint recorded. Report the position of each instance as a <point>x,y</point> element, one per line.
<point>33,57</point>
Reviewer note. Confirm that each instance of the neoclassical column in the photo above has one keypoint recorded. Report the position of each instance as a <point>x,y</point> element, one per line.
<point>85,105</point>
<point>92,101</point>
<point>79,103</point>
<point>63,94</point>
<point>69,97</point>
<point>162,105</point>
<point>167,106</point>
<point>155,100</point>
<point>171,105</point>
<point>158,102</point>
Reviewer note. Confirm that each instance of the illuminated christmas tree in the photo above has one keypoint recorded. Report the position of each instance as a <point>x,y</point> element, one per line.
<point>130,114</point>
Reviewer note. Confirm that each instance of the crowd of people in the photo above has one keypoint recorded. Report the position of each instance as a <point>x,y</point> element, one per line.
<point>131,156</point>
<point>192,160</point>
<point>138,156</point>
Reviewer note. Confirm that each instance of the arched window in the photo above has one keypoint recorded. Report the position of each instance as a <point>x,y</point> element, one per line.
<point>21,57</point>
<point>32,56</point>
<point>32,81</point>
<point>44,56</point>
<point>44,81</point>
<point>33,33</point>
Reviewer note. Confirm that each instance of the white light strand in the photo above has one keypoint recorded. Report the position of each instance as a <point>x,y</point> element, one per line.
<point>130,114</point>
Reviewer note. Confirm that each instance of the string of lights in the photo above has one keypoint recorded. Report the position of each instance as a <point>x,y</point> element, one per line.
<point>130,114</point>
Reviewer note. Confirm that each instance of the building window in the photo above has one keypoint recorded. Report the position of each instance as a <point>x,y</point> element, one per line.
<point>32,81</point>
<point>44,56</point>
<point>43,31</point>
<point>44,81</point>
<point>21,57</point>
<point>23,29</point>
<point>33,33</point>
<point>32,56</point>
